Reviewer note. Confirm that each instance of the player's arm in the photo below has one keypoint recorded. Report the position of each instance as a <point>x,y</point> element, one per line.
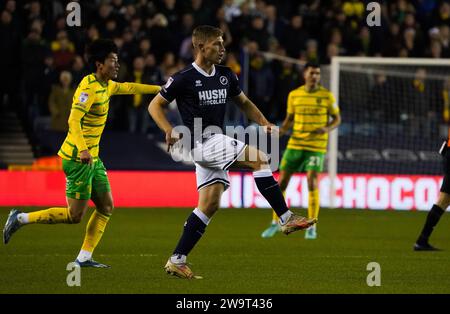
<point>287,123</point>
<point>250,110</point>
<point>333,111</point>
<point>331,125</point>
<point>82,102</point>
<point>290,115</point>
<point>334,122</point>
<point>133,88</point>
<point>156,111</point>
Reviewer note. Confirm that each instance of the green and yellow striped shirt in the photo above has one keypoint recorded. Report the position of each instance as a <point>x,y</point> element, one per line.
<point>89,113</point>
<point>311,111</point>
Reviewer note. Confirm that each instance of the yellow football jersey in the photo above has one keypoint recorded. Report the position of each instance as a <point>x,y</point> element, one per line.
<point>311,111</point>
<point>89,113</point>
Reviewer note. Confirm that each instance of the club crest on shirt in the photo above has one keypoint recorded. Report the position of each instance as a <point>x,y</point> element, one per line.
<point>319,101</point>
<point>223,80</point>
<point>169,81</point>
<point>83,97</point>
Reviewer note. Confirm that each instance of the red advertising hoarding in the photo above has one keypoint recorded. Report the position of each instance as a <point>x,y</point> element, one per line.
<point>178,189</point>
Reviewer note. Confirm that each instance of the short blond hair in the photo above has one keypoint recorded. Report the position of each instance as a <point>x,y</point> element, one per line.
<point>203,33</point>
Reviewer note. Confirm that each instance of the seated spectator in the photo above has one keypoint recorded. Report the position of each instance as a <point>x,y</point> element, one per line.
<point>60,102</point>
<point>63,51</point>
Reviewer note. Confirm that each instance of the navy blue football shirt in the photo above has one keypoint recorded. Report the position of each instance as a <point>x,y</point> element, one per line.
<point>202,95</point>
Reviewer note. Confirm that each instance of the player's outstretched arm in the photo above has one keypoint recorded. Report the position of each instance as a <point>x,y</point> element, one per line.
<point>134,88</point>
<point>250,110</point>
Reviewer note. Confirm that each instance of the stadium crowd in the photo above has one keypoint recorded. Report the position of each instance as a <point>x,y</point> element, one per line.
<point>42,59</point>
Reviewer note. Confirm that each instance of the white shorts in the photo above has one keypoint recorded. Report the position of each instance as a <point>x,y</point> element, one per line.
<point>213,157</point>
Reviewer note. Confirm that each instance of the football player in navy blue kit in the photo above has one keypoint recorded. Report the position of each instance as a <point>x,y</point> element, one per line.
<point>201,91</point>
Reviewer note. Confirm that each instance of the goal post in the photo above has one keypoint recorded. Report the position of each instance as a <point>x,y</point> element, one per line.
<point>395,112</point>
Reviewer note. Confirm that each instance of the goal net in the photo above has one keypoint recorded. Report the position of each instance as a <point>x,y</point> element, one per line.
<point>395,114</point>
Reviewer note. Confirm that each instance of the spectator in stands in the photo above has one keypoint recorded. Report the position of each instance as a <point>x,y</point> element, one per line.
<point>63,51</point>
<point>33,11</point>
<point>393,41</point>
<point>410,43</point>
<point>78,71</point>
<point>223,25</point>
<point>362,45</point>
<point>443,14</point>
<point>138,118</point>
<point>111,29</point>
<point>422,113</point>
<point>160,33</point>
<point>446,101</point>
<point>261,83</point>
<point>34,52</point>
<point>103,16</point>
<point>287,79</point>
<point>295,37</point>
<point>231,10</point>
<point>332,51</point>
<point>92,34</point>
<point>153,71</point>
<point>145,46</point>
<point>186,52</point>
<point>311,54</point>
<point>274,26</point>
<point>201,11</point>
<point>258,33</point>
<point>170,9</point>
<point>168,62</point>
<point>379,104</point>
<point>60,101</point>
<point>435,50</point>
<point>233,63</point>
<point>8,58</point>
<point>310,30</point>
<point>444,32</point>
<point>399,9</point>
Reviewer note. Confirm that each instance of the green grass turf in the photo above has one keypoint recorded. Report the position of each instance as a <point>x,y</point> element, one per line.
<point>232,256</point>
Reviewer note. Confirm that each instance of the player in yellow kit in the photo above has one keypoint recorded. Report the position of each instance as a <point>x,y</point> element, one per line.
<point>85,173</point>
<point>309,109</point>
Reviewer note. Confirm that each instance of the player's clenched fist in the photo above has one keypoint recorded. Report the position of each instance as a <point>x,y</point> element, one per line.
<point>270,128</point>
<point>85,157</point>
<point>172,137</point>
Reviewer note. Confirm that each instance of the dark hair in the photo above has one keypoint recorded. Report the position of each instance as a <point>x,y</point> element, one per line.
<point>311,64</point>
<point>99,50</point>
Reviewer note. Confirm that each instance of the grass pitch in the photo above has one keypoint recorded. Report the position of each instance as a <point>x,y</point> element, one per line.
<point>232,257</point>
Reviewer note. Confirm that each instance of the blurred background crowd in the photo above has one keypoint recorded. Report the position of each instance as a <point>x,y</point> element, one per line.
<point>42,59</point>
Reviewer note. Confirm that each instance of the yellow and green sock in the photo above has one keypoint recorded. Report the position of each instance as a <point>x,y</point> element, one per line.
<point>53,215</point>
<point>313,204</point>
<point>94,232</point>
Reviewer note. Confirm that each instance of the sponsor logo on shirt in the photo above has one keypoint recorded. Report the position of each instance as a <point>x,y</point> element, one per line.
<point>169,81</point>
<point>212,97</point>
<point>83,97</point>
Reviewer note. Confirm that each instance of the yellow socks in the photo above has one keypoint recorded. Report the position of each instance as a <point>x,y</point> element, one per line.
<point>313,204</point>
<point>274,217</point>
<point>94,231</point>
<point>52,215</point>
